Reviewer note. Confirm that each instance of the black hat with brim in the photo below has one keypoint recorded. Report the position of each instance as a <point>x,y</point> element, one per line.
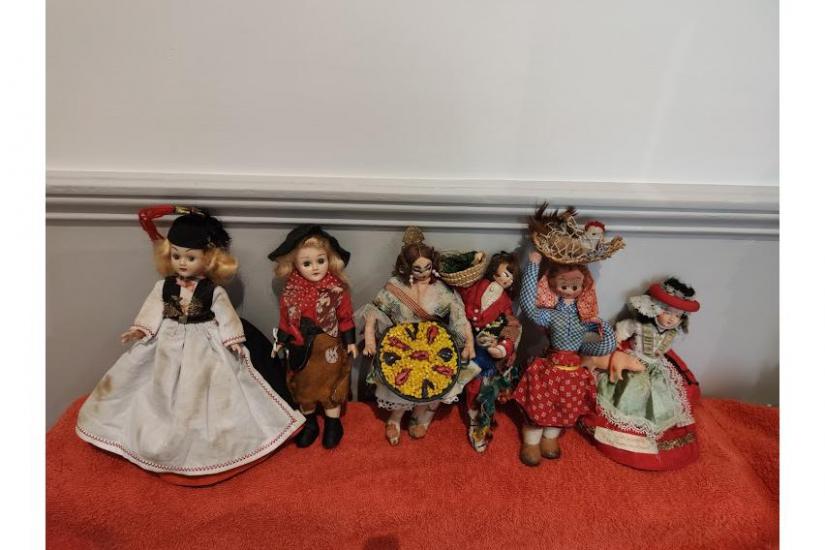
<point>198,230</point>
<point>299,234</point>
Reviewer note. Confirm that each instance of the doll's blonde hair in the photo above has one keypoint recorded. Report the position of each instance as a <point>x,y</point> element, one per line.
<point>285,265</point>
<point>221,266</point>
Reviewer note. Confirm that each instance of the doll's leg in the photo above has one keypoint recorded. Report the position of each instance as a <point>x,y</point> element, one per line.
<point>530,438</point>
<point>310,429</point>
<point>333,429</point>
<point>392,430</point>
<point>550,443</point>
<point>421,418</point>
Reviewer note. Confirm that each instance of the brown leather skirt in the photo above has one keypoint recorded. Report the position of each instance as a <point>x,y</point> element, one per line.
<point>325,378</point>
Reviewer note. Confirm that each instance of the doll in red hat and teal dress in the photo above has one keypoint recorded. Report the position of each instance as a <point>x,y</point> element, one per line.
<point>644,419</point>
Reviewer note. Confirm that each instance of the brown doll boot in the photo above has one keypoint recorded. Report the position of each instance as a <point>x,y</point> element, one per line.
<point>550,447</point>
<point>530,454</point>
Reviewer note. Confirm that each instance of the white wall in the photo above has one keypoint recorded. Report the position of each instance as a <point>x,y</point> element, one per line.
<point>579,90</point>
<point>459,116</point>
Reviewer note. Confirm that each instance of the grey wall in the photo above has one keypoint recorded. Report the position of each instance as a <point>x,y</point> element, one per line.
<point>99,273</point>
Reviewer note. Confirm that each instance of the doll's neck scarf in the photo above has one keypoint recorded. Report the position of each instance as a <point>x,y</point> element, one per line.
<point>325,296</point>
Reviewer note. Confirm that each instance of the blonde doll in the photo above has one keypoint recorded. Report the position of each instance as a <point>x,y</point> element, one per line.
<point>315,328</point>
<point>185,401</point>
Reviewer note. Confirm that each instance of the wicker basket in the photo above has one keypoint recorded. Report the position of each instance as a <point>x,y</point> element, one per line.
<point>567,249</point>
<point>465,277</point>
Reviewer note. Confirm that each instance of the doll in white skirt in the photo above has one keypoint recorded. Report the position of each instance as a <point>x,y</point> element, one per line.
<point>185,400</point>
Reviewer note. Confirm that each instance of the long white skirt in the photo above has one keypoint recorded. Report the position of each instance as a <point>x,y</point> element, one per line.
<point>182,403</point>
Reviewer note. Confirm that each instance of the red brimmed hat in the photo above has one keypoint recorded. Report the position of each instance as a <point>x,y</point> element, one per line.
<point>673,299</point>
<point>670,293</point>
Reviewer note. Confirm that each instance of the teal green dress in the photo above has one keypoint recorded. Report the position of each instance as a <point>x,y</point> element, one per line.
<point>651,401</point>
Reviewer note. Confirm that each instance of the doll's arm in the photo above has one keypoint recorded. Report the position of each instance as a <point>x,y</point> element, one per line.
<point>151,313</point>
<point>458,319</point>
<point>510,334</point>
<point>346,324</point>
<point>527,296</point>
<point>603,346</point>
<point>229,324</point>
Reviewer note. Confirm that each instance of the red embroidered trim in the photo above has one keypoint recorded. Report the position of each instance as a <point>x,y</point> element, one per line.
<point>290,413</point>
<point>234,340</point>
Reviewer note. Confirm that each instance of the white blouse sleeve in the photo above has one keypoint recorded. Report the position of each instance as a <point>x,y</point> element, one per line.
<point>151,314</point>
<point>229,324</point>
<point>625,329</point>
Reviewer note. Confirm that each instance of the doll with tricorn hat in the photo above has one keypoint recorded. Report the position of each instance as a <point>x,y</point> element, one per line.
<point>315,328</point>
<point>555,390</point>
<point>644,419</point>
<point>185,400</point>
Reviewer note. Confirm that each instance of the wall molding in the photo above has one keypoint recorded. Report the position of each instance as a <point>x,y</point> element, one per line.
<point>92,197</point>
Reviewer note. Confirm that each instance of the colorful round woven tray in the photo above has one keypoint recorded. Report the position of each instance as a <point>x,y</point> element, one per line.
<point>418,361</point>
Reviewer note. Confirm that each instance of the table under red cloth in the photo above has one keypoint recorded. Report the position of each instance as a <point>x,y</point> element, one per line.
<point>431,493</point>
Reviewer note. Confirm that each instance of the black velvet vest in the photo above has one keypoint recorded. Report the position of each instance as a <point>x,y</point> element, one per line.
<point>200,307</point>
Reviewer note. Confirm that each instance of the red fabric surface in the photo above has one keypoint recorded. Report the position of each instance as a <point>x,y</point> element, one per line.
<point>430,493</point>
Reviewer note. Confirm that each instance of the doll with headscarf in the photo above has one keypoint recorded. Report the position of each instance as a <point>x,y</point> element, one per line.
<point>315,328</point>
<point>185,400</point>
<point>644,419</point>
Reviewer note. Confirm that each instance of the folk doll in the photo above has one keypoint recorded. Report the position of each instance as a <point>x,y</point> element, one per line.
<point>315,328</point>
<point>555,390</point>
<point>184,400</point>
<point>644,418</point>
<point>496,332</point>
<point>413,295</point>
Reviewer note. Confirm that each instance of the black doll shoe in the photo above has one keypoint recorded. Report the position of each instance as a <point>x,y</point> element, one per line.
<point>333,432</point>
<point>309,432</point>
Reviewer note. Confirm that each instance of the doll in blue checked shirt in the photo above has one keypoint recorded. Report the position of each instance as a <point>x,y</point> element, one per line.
<point>556,390</point>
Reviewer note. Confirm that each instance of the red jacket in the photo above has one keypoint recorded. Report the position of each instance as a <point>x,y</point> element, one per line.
<point>479,318</point>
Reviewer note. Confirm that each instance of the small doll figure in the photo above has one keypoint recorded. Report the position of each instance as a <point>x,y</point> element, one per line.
<point>593,235</point>
<point>412,295</point>
<point>554,391</point>
<point>489,309</point>
<point>315,328</point>
<point>644,418</point>
<point>184,400</point>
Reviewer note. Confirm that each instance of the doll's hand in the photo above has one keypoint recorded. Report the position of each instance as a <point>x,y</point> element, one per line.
<point>237,349</point>
<point>352,349</point>
<point>369,346</point>
<point>469,352</point>
<point>534,257</point>
<point>276,347</point>
<point>496,352</point>
<point>621,361</point>
<point>131,335</point>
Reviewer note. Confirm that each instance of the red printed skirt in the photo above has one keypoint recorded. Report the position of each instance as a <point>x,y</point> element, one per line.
<point>555,391</point>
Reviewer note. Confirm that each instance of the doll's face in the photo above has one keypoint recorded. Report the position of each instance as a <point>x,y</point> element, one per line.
<point>422,269</point>
<point>594,233</point>
<point>670,318</point>
<point>503,276</point>
<point>569,284</point>
<point>188,262</point>
<point>312,263</point>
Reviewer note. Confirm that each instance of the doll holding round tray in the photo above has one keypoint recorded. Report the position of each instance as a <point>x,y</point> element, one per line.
<point>415,303</point>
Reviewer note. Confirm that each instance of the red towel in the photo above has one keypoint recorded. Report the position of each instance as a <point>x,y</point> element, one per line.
<point>431,493</point>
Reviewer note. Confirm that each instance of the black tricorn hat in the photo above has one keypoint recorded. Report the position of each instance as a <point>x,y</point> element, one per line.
<point>198,230</point>
<point>294,238</point>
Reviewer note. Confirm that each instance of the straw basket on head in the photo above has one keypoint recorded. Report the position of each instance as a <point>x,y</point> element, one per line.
<point>462,269</point>
<point>559,238</point>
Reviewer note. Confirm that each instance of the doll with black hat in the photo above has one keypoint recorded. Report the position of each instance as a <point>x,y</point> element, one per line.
<point>315,329</point>
<point>185,401</point>
<point>644,419</point>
